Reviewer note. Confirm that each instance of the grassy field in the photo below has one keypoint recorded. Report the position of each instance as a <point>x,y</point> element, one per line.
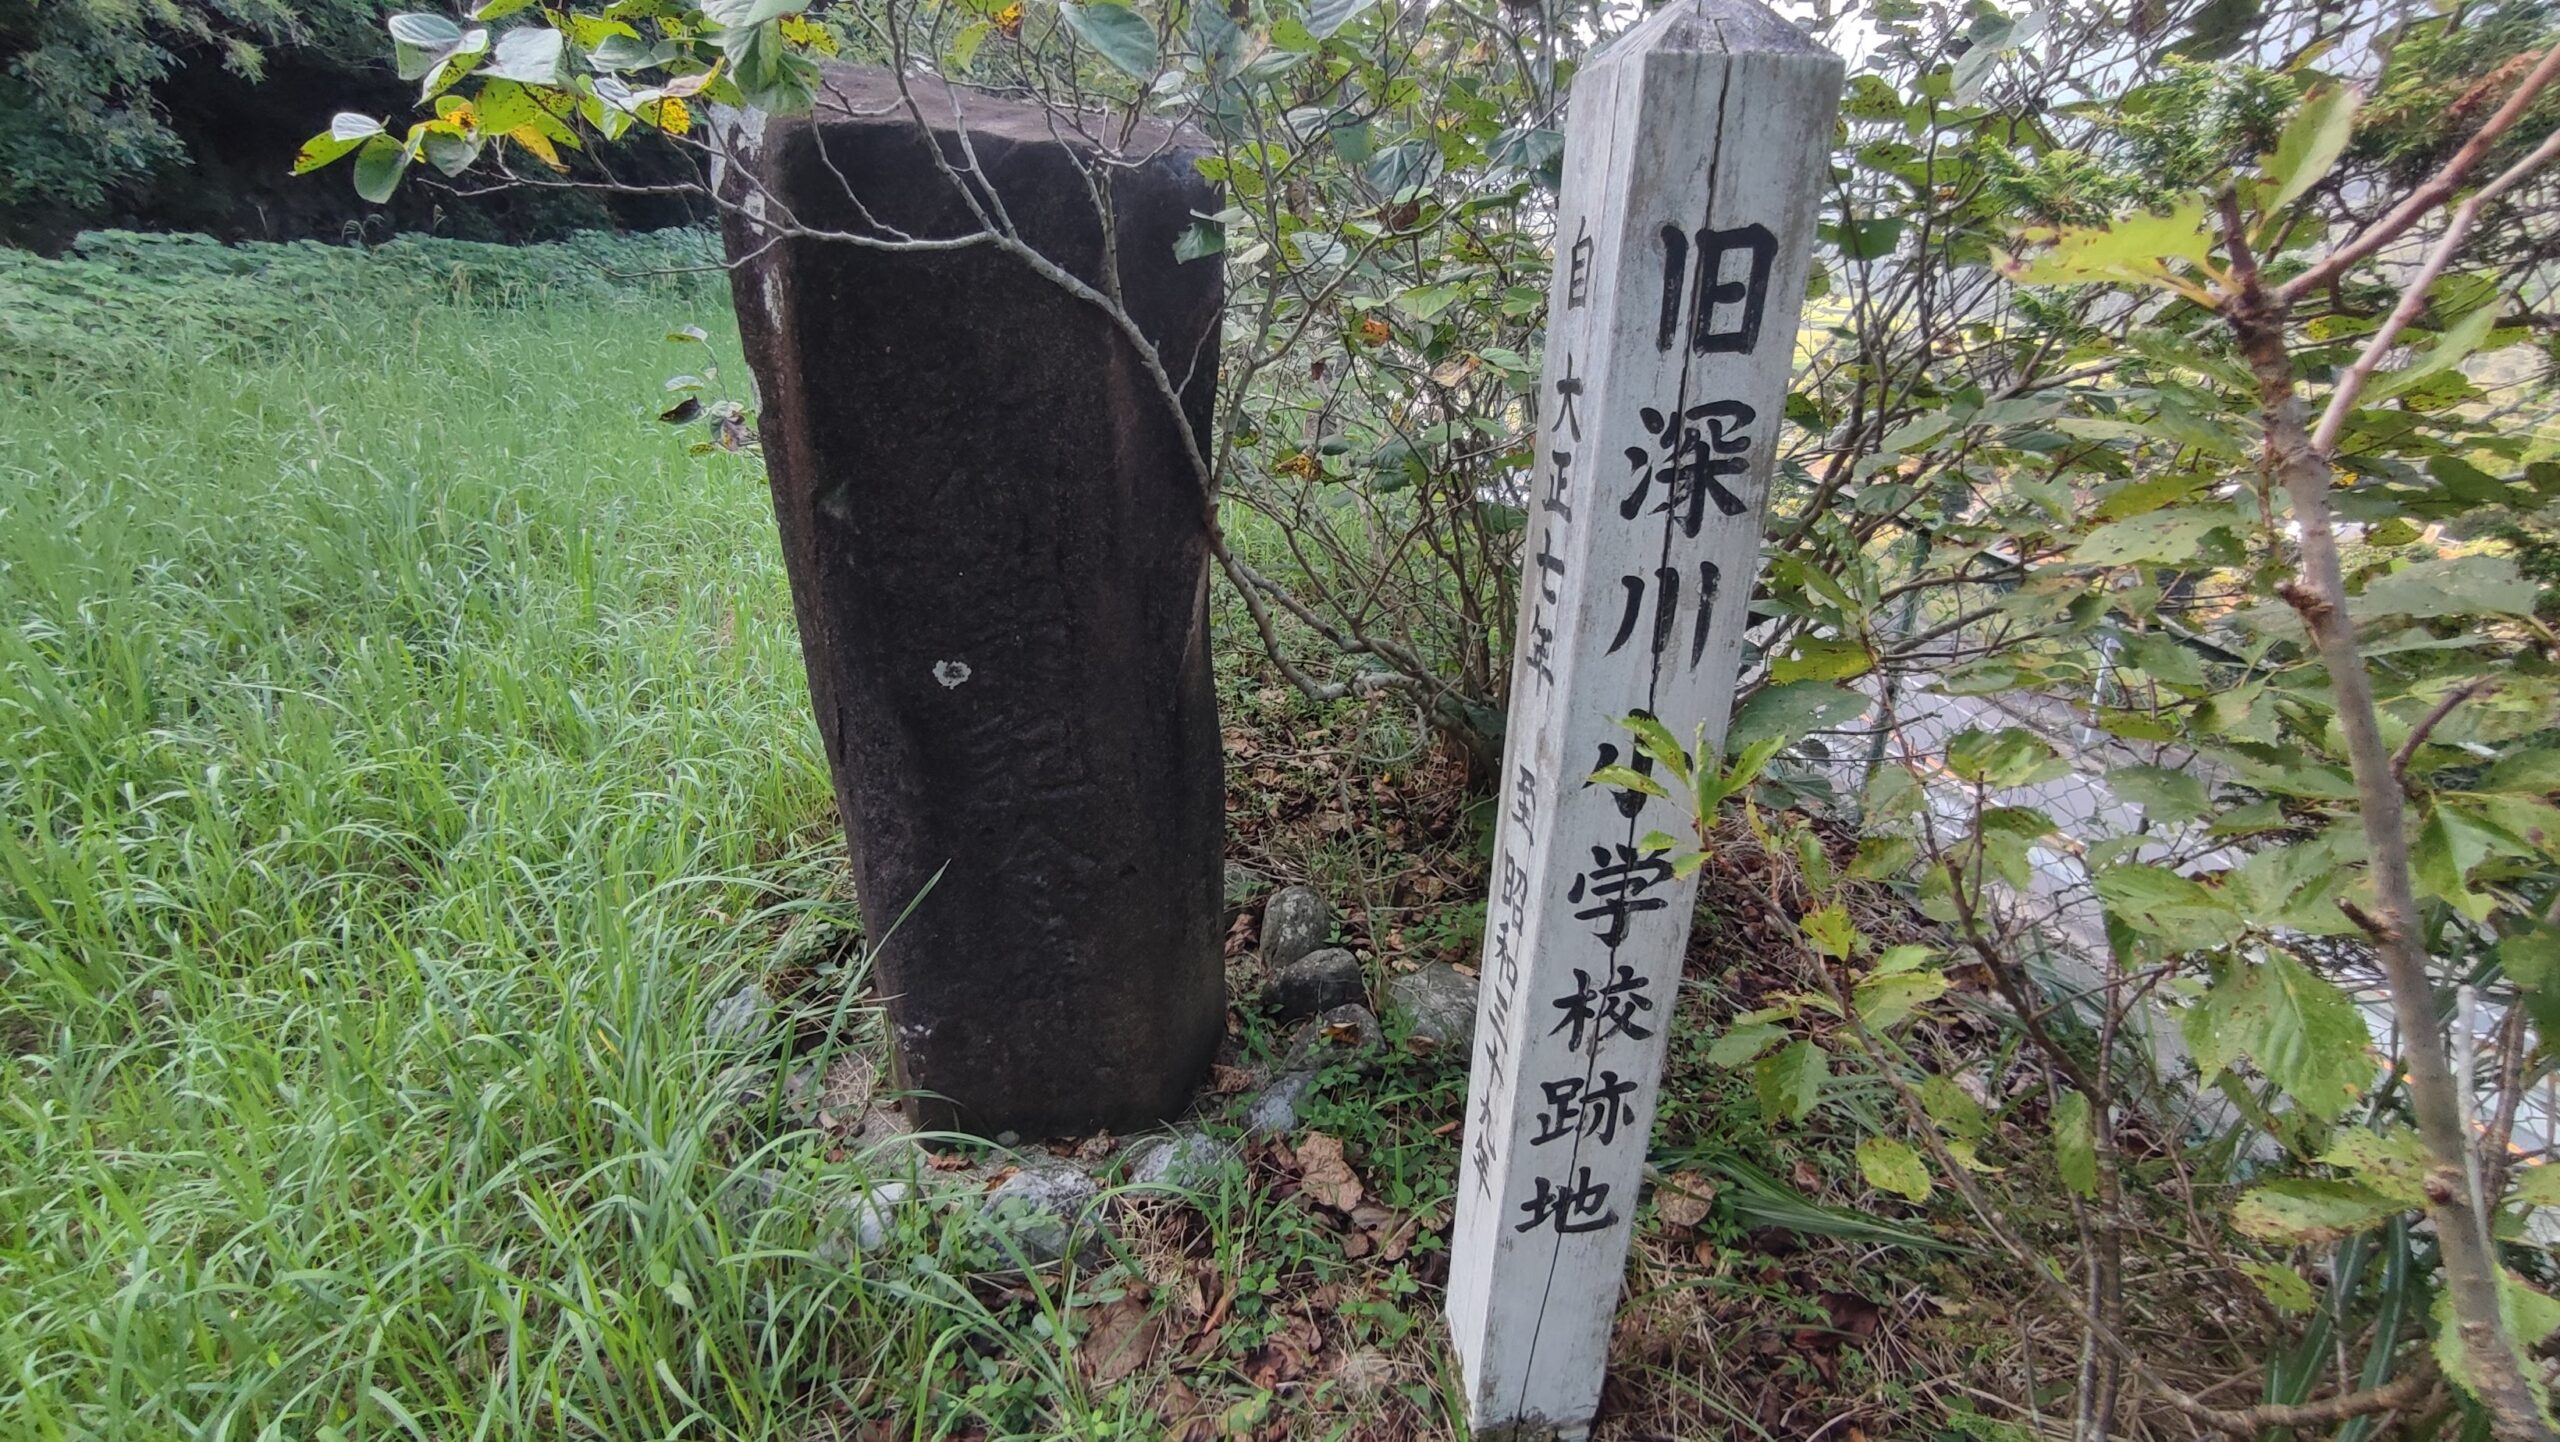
<point>402,750</point>
<point>402,740</point>
<point>403,746</point>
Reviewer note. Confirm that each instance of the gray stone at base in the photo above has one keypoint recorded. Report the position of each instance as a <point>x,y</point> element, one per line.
<point>1316,982</point>
<point>1274,1111</point>
<point>1187,1161</point>
<point>1295,921</point>
<point>860,1223</point>
<point>1044,1209</point>
<point>742,1018</point>
<point>1344,1035</point>
<point>1436,1004</point>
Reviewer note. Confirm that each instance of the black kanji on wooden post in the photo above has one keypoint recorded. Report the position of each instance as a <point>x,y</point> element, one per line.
<point>998,556</point>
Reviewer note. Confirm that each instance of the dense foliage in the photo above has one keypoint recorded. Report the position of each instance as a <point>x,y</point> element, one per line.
<point>78,114</point>
<point>118,296</point>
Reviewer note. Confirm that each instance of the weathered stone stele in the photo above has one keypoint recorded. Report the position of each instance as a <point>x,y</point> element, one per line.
<point>998,561</point>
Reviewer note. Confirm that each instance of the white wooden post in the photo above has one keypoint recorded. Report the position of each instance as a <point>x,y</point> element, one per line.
<point>1696,152</point>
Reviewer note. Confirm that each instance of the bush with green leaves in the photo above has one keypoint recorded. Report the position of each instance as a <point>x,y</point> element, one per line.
<point>77,114</point>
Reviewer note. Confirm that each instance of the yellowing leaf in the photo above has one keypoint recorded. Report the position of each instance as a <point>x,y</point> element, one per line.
<point>1891,1166</point>
<point>540,144</point>
<point>673,117</point>
<point>2075,1144</point>
<point>2137,249</point>
<point>2392,1163</point>
<point>2283,1287</point>
<point>2301,1031</point>
<point>2309,1211</point>
<point>1885,1000</point>
<point>800,30</point>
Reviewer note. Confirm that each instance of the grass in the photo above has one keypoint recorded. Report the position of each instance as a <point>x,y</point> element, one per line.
<point>397,760</point>
<point>403,747</point>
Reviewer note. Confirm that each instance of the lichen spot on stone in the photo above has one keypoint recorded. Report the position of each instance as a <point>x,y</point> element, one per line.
<point>950,673</point>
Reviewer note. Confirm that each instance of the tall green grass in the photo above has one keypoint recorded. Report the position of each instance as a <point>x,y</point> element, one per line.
<point>402,742</point>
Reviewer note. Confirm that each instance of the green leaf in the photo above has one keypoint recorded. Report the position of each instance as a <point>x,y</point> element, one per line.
<point>1117,33</point>
<point>2447,586</point>
<point>1916,433</point>
<point>2538,1185</point>
<point>1830,930</point>
<point>2449,845</point>
<point>2182,913</point>
<point>2166,796</point>
<point>1425,302</point>
<point>1952,1107</point>
<point>347,131</point>
<point>1790,1082</point>
<point>740,14</point>
<point>529,55</point>
<point>2011,756</point>
<point>1656,741</point>
<point>1627,778</point>
<point>426,32</point>
<point>2458,341</point>
<point>2529,1315</point>
<point>2312,142</point>
<point>1204,238</point>
<point>2307,1210</point>
<point>1890,1165</point>
<point>2171,535</point>
<point>379,166</point>
<point>1324,17</point>
<point>1743,1043</point>
<point>2075,1144</point>
<point>2393,1162</point>
<point>2165,658</point>
<point>2301,1031</point>
<point>1791,710</point>
<point>1885,1000</point>
<point>2282,1286</point>
<point>2136,249</point>
<point>1823,658</point>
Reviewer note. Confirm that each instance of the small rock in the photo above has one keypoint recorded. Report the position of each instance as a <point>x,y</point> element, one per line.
<point>1294,922</point>
<point>742,1199</point>
<point>1343,1034</point>
<point>1275,1111</point>
<point>1043,1208</point>
<point>742,1018</point>
<point>1243,884</point>
<point>1316,982</point>
<point>1437,1004</point>
<point>1185,1162</point>
<point>863,1221</point>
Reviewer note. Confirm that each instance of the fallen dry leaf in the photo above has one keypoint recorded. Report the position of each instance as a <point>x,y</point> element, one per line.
<point>1121,1337</point>
<point>1325,1175</point>
<point>1683,1198</point>
<point>1229,1081</point>
<point>1287,1356</point>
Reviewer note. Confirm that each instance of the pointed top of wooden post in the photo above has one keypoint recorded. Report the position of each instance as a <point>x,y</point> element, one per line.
<point>1729,27</point>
